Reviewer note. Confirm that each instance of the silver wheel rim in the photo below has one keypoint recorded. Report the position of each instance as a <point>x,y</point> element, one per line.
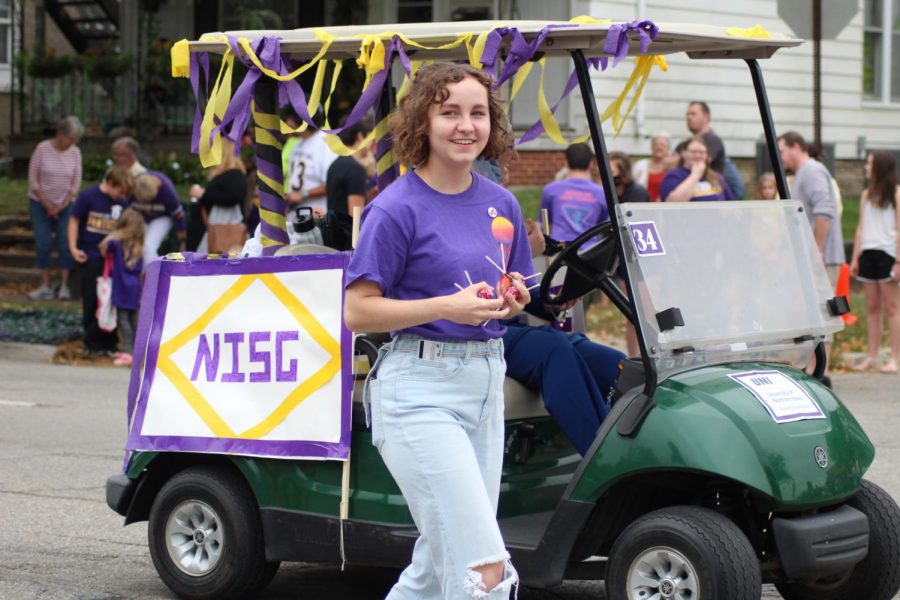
<point>194,538</point>
<point>662,573</point>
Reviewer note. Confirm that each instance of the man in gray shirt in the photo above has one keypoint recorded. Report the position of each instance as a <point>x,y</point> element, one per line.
<point>812,186</point>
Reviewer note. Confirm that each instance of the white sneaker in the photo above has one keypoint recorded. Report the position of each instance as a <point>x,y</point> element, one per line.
<point>64,293</point>
<point>42,293</point>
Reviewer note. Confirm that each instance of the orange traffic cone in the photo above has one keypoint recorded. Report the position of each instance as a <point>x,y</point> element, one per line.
<point>842,288</point>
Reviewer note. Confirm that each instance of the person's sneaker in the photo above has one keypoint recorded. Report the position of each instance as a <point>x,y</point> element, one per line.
<point>42,293</point>
<point>64,293</point>
<point>123,360</point>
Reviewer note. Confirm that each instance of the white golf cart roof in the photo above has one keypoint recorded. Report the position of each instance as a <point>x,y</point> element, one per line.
<point>698,41</point>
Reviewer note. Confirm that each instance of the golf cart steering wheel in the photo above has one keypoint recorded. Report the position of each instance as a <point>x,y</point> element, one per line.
<point>589,259</point>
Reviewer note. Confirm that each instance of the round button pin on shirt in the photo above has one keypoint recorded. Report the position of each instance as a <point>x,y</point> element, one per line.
<point>492,212</point>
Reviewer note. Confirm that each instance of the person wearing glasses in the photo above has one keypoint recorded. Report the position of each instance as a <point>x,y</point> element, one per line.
<point>694,180</point>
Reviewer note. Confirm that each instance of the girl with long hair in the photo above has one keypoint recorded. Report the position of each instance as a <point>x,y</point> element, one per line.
<point>876,257</point>
<point>126,244</point>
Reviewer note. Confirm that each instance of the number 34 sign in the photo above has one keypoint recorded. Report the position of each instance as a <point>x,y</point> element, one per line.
<point>646,239</point>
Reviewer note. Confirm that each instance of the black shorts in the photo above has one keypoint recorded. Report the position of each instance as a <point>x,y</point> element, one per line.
<point>875,266</point>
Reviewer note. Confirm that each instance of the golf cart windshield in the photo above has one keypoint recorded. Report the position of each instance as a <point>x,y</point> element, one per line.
<point>745,278</point>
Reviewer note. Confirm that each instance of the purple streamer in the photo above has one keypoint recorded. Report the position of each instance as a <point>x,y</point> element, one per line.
<point>617,38</point>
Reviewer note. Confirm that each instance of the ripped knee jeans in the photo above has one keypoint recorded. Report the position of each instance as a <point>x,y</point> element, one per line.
<point>437,420</point>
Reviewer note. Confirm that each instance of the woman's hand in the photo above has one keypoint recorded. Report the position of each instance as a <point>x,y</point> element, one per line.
<point>698,169</point>
<point>79,255</point>
<point>469,308</point>
<point>854,267</point>
<point>517,296</point>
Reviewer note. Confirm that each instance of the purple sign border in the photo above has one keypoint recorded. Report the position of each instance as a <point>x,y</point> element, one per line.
<point>149,333</point>
<point>818,414</point>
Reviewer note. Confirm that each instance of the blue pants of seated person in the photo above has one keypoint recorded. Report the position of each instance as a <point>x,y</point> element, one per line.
<point>573,374</point>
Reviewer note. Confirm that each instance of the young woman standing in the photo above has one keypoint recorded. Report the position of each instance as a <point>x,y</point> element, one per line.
<point>437,388</point>
<point>876,257</point>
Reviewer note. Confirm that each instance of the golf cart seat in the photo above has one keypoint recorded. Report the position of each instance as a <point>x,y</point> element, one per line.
<point>298,249</point>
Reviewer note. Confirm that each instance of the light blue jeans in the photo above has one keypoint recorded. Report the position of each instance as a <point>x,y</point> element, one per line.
<point>437,420</point>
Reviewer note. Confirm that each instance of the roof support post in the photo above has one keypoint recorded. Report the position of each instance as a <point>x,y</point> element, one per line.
<point>269,174</point>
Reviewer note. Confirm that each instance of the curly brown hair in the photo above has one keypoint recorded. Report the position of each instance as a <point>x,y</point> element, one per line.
<point>409,123</point>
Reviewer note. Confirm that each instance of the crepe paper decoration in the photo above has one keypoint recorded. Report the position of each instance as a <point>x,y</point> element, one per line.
<point>757,31</point>
<point>181,60</point>
<point>639,76</point>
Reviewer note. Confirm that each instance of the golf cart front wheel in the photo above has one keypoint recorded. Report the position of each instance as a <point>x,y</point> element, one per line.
<point>683,553</point>
<point>205,536</point>
<point>877,576</point>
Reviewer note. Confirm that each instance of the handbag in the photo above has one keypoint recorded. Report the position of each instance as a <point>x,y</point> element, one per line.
<point>222,238</point>
<point>106,312</point>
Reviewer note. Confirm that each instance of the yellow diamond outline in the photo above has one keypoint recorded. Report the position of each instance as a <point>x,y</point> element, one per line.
<point>304,317</point>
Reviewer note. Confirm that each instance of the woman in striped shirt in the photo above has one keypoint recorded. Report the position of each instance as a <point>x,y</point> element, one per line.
<point>54,179</point>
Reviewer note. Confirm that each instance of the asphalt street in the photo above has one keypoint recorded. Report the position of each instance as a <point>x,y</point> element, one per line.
<point>62,431</point>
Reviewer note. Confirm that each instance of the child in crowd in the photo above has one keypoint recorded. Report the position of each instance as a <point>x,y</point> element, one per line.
<point>766,188</point>
<point>126,244</point>
<point>93,217</point>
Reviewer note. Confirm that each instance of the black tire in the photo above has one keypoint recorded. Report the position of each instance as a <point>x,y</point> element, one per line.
<point>877,576</point>
<point>706,554</point>
<point>227,538</point>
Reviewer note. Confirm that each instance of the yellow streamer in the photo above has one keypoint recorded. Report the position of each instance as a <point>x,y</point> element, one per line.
<point>211,151</point>
<point>757,31</point>
<point>589,20</point>
<point>181,59</point>
<point>639,76</point>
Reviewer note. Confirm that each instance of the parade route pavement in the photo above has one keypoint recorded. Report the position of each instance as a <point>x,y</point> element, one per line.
<point>62,431</point>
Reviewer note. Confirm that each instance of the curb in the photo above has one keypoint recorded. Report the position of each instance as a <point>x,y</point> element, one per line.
<point>20,351</point>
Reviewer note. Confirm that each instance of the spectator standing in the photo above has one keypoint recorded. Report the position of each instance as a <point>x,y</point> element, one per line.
<point>126,244</point>
<point>222,201</point>
<point>54,180</point>
<point>876,257</point>
<point>649,172</point>
<point>437,392</point>
<point>766,188</point>
<point>157,201</point>
<point>698,119</point>
<point>308,170</point>
<point>576,203</point>
<point>813,187</point>
<point>93,217</point>
<point>695,180</point>
<point>125,153</point>
<point>347,181</point>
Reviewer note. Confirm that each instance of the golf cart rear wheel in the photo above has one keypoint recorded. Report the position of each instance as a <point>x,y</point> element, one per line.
<point>205,536</point>
<point>877,576</point>
<point>683,553</point>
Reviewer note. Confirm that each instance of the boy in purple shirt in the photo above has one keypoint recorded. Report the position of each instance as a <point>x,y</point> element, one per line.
<point>576,203</point>
<point>93,217</point>
<point>421,271</point>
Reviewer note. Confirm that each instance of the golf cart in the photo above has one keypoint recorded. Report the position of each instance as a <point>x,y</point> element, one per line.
<point>720,466</point>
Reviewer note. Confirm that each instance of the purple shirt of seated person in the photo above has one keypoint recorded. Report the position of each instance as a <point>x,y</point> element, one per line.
<point>409,219</point>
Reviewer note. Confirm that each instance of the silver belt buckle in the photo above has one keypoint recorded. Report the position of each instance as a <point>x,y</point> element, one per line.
<point>429,350</point>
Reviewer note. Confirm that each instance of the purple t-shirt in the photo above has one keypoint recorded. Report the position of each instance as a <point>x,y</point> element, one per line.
<point>97,214</point>
<point>705,190</point>
<point>575,205</point>
<point>126,288</point>
<point>166,203</point>
<point>417,243</point>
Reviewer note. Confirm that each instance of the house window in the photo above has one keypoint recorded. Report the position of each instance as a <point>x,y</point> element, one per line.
<point>5,31</point>
<point>881,50</point>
